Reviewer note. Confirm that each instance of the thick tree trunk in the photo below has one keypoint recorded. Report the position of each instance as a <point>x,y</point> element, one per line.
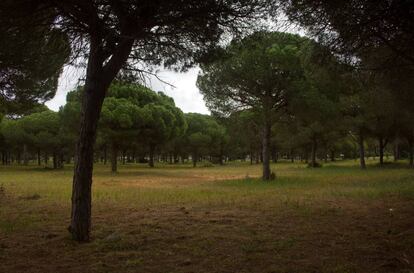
<point>361,151</point>
<point>114,158</point>
<point>332,155</point>
<point>98,79</point>
<point>151,155</point>
<point>82,181</point>
<point>266,149</point>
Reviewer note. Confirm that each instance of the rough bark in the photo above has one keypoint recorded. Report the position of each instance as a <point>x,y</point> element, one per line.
<point>98,79</point>
<point>361,151</point>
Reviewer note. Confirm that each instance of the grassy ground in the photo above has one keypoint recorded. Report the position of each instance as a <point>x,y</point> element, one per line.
<point>218,219</point>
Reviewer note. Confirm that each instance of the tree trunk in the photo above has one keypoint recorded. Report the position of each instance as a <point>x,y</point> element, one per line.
<point>93,97</point>
<point>332,155</point>
<point>123,157</point>
<point>396,150</point>
<point>98,79</point>
<point>306,155</point>
<point>266,149</point>
<point>411,152</point>
<point>313,153</point>
<point>361,152</point>
<point>195,159</point>
<point>114,158</point>
<point>381,150</point>
<point>151,155</point>
<point>55,161</point>
<point>25,155</point>
<point>105,154</point>
<point>19,160</point>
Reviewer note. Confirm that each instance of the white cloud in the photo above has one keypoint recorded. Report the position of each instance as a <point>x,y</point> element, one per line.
<point>185,92</point>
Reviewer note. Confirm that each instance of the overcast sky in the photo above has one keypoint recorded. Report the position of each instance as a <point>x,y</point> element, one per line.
<point>185,93</point>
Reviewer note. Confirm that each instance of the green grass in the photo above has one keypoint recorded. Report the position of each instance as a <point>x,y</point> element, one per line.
<point>140,186</point>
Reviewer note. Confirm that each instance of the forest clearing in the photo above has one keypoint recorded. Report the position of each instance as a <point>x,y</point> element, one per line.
<point>175,218</point>
<point>237,136</point>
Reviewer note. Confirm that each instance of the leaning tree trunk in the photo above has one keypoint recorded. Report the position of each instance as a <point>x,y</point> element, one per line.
<point>266,148</point>
<point>82,180</point>
<point>114,158</point>
<point>98,79</point>
<point>361,151</point>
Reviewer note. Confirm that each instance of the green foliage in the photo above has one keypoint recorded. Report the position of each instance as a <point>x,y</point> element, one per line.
<point>42,130</point>
<point>32,54</point>
<point>204,135</point>
<point>259,72</point>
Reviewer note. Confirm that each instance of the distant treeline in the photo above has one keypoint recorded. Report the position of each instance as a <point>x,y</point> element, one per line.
<point>140,125</point>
